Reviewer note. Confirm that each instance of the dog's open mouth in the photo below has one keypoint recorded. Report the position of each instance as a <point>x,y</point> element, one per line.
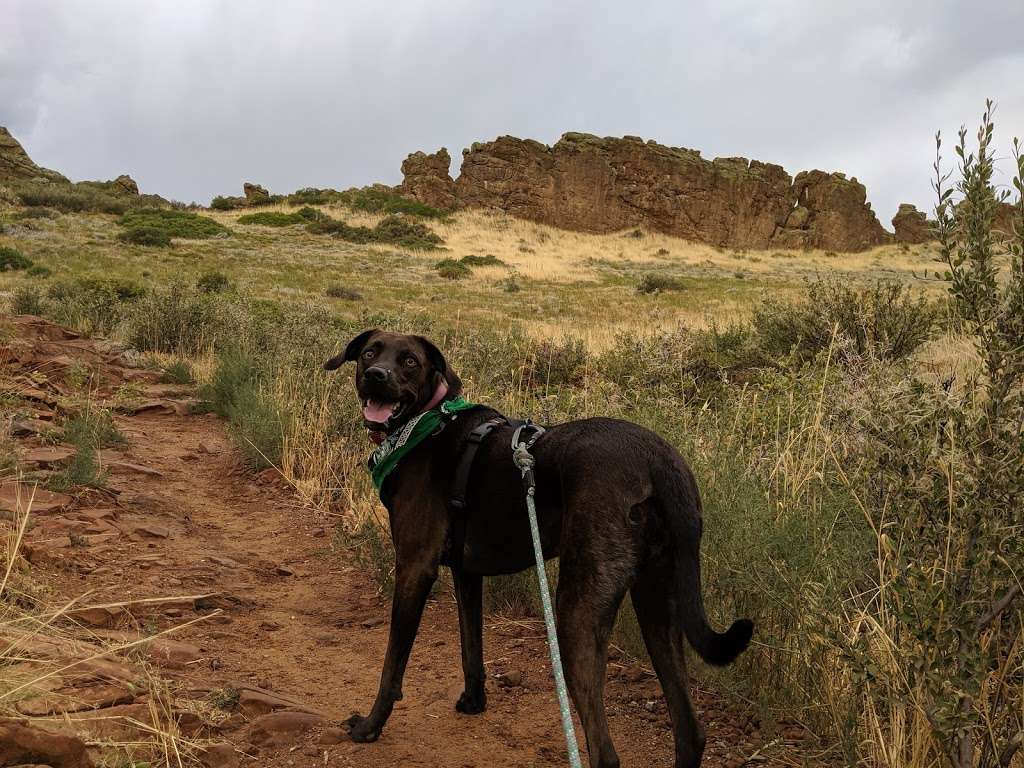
<point>377,414</point>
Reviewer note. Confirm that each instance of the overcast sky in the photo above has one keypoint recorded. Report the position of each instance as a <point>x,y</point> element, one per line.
<point>193,98</point>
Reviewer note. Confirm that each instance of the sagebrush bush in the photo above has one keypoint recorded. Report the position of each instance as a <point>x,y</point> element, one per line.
<point>452,269</point>
<point>223,203</point>
<point>392,230</point>
<point>885,319</point>
<point>653,283</point>
<point>273,219</point>
<point>147,236</point>
<point>173,223</point>
<point>336,291</point>
<point>38,270</point>
<point>177,372</point>
<point>12,260</point>
<point>376,200</point>
<point>70,198</point>
<point>213,281</point>
<point>313,196</point>
<point>488,260</point>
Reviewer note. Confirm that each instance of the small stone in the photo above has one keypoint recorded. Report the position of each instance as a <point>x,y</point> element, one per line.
<point>283,570</point>
<point>219,756</point>
<point>269,626</point>
<point>511,679</point>
<point>371,623</point>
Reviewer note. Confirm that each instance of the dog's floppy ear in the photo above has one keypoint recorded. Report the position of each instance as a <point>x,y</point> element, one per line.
<point>351,351</point>
<point>439,364</point>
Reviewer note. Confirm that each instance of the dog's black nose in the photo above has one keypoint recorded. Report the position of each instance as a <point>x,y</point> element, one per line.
<point>376,373</point>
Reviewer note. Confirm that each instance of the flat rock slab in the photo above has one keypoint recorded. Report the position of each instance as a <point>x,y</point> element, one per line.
<point>283,727</point>
<point>41,499</point>
<point>48,456</point>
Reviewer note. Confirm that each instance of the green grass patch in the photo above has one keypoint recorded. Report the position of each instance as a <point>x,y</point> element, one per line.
<point>178,372</point>
<point>452,269</point>
<point>490,260</point>
<point>12,260</point>
<point>392,230</point>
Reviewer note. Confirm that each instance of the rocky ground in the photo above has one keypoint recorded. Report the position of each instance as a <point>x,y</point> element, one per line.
<point>216,621</point>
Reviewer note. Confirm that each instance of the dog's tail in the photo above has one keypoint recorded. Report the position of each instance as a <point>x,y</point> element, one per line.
<point>681,507</point>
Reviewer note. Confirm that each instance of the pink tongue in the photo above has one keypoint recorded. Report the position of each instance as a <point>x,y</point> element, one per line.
<point>379,413</point>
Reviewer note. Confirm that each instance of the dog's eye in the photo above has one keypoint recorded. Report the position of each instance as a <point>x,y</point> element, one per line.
<point>369,354</point>
<point>411,362</point>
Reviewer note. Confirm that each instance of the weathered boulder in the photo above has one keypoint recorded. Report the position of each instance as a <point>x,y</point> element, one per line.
<point>16,164</point>
<point>591,184</point>
<point>911,225</point>
<point>426,178</point>
<point>126,184</point>
<point>840,218</point>
<point>254,193</point>
<point>23,743</point>
<point>1007,217</point>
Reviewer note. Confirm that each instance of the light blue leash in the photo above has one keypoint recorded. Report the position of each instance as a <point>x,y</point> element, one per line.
<point>525,461</point>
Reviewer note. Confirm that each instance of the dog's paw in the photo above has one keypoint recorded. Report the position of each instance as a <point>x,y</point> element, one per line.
<point>471,703</point>
<point>361,729</point>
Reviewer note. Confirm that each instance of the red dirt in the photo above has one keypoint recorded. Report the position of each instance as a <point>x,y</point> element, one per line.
<point>302,622</point>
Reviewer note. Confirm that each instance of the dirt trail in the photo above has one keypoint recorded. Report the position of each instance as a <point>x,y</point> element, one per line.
<point>302,628</point>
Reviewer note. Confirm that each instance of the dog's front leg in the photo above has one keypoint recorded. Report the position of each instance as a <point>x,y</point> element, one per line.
<point>412,586</point>
<point>469,595</point>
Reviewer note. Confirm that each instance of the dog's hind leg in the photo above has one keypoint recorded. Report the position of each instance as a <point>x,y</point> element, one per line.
<point>589,595</point>
<point>663,636</point>
<point>469,596</point>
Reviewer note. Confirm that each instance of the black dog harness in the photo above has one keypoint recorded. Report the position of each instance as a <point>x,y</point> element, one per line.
<point>458,496</point>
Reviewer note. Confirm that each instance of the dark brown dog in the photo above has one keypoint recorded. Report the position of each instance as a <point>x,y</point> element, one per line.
<point>613,499</point>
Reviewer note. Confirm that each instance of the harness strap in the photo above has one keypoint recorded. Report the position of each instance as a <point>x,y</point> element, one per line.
<point>464,469</point>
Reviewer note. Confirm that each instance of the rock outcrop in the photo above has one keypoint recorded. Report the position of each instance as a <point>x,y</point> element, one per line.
<point>254,193</point>
<point>911,225</point>
<point>16,164</point>
<point>603,185</point>
<point>427,179</point>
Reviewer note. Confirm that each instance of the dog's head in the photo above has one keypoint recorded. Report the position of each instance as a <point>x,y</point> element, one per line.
<point>397,377</point>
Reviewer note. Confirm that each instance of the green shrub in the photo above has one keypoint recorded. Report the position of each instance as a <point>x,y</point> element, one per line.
<point>336,291</point>
<point>885,319</point>
<point>27,300</point>
<point>272,219</point>
<point>452,269</point>
<point>12,260</point>
<point>377,200</point>
<point>88,432</point>
<point>147,236</point>
<point>490,260</point>
<point>183,224</point>
<point>392,230</point>
<point>510,285</point>
<point>652,283</point>
<point>313,196</point>
<point>310,214</point>
<point>407,233</point>
<point>222,203</point>
<point>213,281</point>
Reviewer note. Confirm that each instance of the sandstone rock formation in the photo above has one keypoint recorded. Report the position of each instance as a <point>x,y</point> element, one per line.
<point>254,193</point>
<point>911,225</point>
<point>16,164</point>
<point>427,179</point>
<point>603,185</point>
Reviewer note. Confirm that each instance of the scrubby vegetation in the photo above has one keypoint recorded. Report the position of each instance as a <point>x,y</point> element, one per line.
<point>174,223</point>
<point>76,198</point>
<point>281,219</point>
<point>391,230</point>
<point>149,236</point>
<point>862,501</point>
<point>382,200</point>
<point>12,260</point>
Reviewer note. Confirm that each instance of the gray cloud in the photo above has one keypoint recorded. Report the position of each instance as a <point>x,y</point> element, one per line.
<point>192,98</point>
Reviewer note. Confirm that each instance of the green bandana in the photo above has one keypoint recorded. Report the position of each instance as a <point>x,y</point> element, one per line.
<point>386,456</point>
